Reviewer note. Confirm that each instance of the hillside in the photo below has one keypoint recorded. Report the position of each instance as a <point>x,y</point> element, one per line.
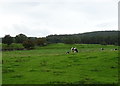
<point>100,33</point>
<point>97,37</point>
<point>50,65</point>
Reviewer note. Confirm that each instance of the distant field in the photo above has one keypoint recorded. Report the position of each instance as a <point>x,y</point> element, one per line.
<point>51,65</point>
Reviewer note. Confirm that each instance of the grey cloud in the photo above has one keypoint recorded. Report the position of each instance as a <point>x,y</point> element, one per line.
<point>30,31</point>
<point>107,24</point>
<point>43,17</point>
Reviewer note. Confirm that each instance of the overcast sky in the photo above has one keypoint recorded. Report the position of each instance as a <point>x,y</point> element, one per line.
<point>38,18</point>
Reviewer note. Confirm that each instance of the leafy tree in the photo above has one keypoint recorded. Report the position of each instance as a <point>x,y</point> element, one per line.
<point>97,37</point>
<point>69,40</point>
<point>28,44</point>
<point>7,40</point>
<point>20,38</point>
<point>41,41</point>
<point>32,38</point>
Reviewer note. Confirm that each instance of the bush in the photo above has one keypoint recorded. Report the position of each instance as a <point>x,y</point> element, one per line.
<point>28,44</point>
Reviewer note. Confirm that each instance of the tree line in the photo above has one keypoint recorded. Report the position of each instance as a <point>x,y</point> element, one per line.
<point>27,42</point>
<point>98,37</point>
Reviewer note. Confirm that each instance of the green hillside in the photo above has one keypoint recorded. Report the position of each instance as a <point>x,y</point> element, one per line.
<point>97,37</point>
<point>51,65</point>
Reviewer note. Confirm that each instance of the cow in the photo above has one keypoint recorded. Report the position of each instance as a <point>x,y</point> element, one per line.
<point>67,52</point>
<point>115,49</point>
<point>102,48</point>
<point>75,50</point>
<point>72,49</point>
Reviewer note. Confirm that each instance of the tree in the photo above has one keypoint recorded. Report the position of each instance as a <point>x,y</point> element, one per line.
<point>28,44</point>
<point>7,40</point>
<point>20,38</point>
<point>69,40</point>
<point>41,41</point>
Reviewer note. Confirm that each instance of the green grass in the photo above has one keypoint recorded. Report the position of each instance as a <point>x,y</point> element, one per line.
<point>51,65</point>
<point>12,46</point>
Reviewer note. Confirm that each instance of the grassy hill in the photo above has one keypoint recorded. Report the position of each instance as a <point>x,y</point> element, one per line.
<point>96,37</point>
<point>51,65</point>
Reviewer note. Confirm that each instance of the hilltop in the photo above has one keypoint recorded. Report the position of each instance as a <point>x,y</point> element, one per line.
<point>97,37</point>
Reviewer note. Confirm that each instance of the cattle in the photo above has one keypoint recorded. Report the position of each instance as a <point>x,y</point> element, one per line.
<point>67,52</point>
<point>72,49</point>
<point>115,49</point>
<point>75,50</point>
<point>102,48</point>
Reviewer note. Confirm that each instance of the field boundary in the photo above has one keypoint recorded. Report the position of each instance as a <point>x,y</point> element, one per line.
<point>60,85</point>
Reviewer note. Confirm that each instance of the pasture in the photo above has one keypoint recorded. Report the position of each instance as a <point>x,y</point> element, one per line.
<point>51,65</point>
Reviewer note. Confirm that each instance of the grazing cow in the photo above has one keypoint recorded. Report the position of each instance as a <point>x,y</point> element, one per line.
<point>75,50</point>
<point>115,49</point>
<point>72,49</point>
<point>102,48</point>
<point>67,52</point>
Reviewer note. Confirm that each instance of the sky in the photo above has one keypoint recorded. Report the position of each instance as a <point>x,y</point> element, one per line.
<point>39,18</point>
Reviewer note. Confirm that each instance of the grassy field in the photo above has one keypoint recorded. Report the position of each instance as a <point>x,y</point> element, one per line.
<point>51,65</point>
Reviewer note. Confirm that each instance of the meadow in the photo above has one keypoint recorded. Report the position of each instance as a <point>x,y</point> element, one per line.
<point>51,65</point>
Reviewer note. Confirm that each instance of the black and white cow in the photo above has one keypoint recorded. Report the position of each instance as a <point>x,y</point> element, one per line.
<point>115,49</point>
<point>67,52</point>
<point>75,50</point>
<point>102,48</point>
<point>72,49</point>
